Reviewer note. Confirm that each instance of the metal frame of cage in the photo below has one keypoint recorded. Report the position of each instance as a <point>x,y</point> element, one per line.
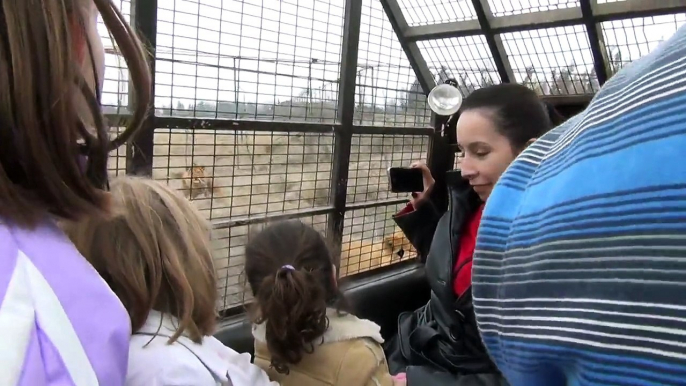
<point>139,152</point>
<point>589,13</point>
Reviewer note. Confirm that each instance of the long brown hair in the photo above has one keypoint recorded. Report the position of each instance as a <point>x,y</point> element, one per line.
<point>516,110</point>
<point>290,270</point>
<point>155,253</point>
<point>44,136</point>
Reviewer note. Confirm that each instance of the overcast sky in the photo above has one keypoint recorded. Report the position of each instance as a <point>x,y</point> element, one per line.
<point>270,51</point>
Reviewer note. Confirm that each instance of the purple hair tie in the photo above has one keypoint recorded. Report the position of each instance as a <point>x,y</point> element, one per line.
<point>288,267</point>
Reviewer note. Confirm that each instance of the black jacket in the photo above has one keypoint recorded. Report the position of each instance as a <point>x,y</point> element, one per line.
<point>439,343</point>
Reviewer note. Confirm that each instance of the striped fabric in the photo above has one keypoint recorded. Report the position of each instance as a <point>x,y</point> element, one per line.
<point>60,324</point>
<point>580,267</point>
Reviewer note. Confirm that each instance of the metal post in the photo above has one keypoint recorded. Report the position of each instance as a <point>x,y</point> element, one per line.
<point>417,62</point>
<point>594,40</point>
<point>439,161</point>
<point>343,133</point>
<point>493,45</point>
<point>436,154</point>
<point>140,151</point>
<point>608,11</point>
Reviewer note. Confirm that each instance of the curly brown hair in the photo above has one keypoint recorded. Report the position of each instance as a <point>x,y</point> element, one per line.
<point>292,276</point>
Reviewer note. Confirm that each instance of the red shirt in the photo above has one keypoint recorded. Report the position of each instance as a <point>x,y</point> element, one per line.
<point>463,265</point>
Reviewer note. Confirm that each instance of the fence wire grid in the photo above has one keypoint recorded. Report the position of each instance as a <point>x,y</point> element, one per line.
<point>232,174</point>
<point>629,39</point>
<point>552,61</point>
<point>370,158</point>
<point>426,12</point>
<point>466,59</point>
<point>371,240</point>
<point>388,92</point>
<point>517,7</point>
<point>115,92</point>
<point>249,59</point>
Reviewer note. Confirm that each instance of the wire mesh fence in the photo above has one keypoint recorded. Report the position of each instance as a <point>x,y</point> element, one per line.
<point>249,60</point>
<point>371,240</point>
<point>388,92</point>
<point>552,61</point>
<point>370,157</point>
<point>115,91</point>
<point>245,176</point>
<point>629,39</point>
<point>234,173</point>
<point>116,163</point>
<point>517,7</point>
<point>425,12</point>
<point>466,59</point>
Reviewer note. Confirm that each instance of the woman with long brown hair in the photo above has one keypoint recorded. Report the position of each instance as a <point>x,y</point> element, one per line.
<point>59,321</point>
<point>439,343</point>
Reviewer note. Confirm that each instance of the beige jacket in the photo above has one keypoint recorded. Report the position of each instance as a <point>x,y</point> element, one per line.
<point>350,355</point>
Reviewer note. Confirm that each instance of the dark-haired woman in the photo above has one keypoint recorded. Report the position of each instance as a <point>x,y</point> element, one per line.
<point>302,336</point>
<point>440,342</point>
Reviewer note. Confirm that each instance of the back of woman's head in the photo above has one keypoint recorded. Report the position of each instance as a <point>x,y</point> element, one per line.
<point>292,277</point>
<point>516,110</point>
<point>53,141</point>
<point>154,251</point>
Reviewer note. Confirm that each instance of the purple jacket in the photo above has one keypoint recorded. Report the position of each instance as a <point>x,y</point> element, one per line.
<point>60,324</point>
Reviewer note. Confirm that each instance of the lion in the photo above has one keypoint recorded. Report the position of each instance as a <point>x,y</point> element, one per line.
<point>196,182</point>
<point>363,255</point>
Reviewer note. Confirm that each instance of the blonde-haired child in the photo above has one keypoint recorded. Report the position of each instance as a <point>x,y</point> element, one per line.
<point>155,253</point>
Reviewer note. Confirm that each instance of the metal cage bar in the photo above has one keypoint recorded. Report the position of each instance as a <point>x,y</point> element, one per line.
<point>548,19</point>
<point>484,15</point>
<point>343,133</point>
<point>421,69</point>
<point>140,151</point>
<point>594,39</point>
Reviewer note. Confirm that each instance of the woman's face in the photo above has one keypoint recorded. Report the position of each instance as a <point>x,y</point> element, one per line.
<point>484,152</point>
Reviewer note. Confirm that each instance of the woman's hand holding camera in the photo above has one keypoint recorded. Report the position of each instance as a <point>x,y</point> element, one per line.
<point>420,198</point>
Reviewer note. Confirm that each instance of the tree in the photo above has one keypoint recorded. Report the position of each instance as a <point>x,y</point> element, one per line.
<point>531,81</point>
<point>616,61</point>
<point>464,84</point>
<point>569,80</point>
<point>486,79</point>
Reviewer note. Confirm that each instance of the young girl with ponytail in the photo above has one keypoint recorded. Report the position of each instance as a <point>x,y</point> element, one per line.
<point>303,336</point>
